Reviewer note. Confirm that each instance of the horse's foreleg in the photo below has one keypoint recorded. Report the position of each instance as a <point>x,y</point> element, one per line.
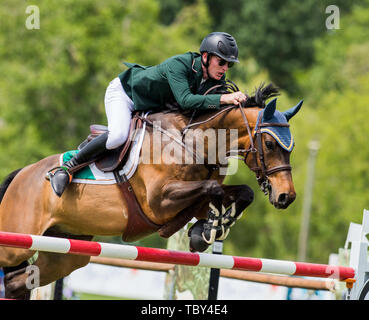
<point>205,231</point>
<point>215,224</point>
<point>219,220</point>
<point>238,198</point>
<point>187,196</point>
<point>182,218</point>
<point>239,195</point>
<point>181,194</point>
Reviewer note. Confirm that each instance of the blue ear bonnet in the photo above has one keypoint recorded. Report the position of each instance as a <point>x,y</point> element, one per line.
<point>281,134</point>
<point>271,115</point>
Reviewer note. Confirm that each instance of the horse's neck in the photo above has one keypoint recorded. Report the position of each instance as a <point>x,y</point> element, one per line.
<point>231,119</point>
<point>237,135</point>
<point>172,120</point>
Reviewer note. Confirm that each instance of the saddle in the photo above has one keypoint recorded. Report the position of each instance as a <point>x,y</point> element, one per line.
<point>138,225</point>
<point>116,158</point>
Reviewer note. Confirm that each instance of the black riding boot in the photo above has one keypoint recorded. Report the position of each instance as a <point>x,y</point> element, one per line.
<point>61,178</point>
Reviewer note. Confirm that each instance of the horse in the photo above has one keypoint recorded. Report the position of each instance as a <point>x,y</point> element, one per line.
<point>170,195</point>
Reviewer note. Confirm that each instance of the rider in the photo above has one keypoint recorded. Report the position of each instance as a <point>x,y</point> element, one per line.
<point>183,78</point>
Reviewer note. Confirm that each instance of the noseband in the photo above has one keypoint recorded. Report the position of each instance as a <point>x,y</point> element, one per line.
<point>261,171</point>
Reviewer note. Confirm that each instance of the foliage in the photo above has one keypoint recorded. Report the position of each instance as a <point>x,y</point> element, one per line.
<point>278,34</point>
<point>341,58</point>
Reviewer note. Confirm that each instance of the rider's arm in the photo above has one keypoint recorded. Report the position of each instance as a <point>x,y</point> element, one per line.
<point>178,79</point>
<point>177,75</point>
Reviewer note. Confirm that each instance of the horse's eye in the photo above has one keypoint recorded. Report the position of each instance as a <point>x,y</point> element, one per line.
<point>269,145</point>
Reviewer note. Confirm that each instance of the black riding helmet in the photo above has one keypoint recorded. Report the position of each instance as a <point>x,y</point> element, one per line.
<point>221,44</point>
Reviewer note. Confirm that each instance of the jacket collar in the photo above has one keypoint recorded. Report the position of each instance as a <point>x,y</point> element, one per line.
<point>197,68</point>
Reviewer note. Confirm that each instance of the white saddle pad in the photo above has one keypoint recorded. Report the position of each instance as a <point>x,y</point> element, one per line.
<point>100,177</point>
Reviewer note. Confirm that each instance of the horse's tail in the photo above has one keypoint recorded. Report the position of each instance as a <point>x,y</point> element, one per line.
<point>4,186</point>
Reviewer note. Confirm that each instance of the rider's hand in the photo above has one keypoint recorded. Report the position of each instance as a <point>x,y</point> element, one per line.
<point>233,98</point>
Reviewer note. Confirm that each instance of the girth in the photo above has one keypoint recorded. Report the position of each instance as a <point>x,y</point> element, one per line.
<point>138,225</point>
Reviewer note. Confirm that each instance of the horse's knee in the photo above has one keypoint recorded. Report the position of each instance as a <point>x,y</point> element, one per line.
<point>213,188</point>
<point>246,195</point>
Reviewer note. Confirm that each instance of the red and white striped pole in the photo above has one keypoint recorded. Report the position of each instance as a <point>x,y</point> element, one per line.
<point>109,250</point>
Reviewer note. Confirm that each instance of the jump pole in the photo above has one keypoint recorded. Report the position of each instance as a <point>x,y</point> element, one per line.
<point>109,250</point>
<point>287,281</point>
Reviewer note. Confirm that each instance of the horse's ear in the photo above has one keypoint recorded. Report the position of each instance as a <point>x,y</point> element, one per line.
<point>291,112</point>
<point>269,110</point>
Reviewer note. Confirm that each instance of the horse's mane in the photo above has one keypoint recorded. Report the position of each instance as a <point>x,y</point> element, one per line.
<point>4,186</point>
<point>260,95</point>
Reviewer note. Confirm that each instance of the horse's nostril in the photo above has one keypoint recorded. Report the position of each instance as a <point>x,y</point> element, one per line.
<point>283,198</point>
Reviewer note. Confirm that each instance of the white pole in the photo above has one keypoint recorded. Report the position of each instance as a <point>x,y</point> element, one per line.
<point>306,209</point>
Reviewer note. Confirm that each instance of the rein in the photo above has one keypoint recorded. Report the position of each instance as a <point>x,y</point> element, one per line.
<point>185,129</point>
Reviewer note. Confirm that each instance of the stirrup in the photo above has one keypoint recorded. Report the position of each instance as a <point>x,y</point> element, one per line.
<point>60,178</point>
<point>52,171</point>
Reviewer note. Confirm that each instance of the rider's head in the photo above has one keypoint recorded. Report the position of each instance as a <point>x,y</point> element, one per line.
<point>219,52</point>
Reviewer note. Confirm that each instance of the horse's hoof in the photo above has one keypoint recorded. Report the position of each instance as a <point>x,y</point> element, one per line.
<point>15,285</point>
<point>197,243</point>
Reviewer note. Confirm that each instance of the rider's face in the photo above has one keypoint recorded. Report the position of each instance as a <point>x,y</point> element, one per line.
<point>217,66</point>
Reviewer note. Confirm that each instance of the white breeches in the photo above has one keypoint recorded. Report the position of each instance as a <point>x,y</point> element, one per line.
<point>118,108</point>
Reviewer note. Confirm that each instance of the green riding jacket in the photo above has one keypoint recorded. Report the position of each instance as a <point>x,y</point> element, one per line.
<point>176,79</point>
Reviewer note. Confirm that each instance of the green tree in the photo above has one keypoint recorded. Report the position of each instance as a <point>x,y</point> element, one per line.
<point>278,34</point>
<point>169,9</point>
<point>56,76</point>
<point>341,58</point>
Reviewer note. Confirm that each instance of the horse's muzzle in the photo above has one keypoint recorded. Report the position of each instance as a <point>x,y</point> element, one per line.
<point>284,200</point>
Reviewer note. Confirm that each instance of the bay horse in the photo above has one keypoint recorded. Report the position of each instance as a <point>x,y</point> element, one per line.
<point>170,195</point>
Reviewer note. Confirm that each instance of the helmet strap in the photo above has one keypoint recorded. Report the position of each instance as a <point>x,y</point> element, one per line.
<point>206,64</point>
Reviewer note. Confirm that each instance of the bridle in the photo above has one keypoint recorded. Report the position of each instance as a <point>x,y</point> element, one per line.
<point>261,171</point>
